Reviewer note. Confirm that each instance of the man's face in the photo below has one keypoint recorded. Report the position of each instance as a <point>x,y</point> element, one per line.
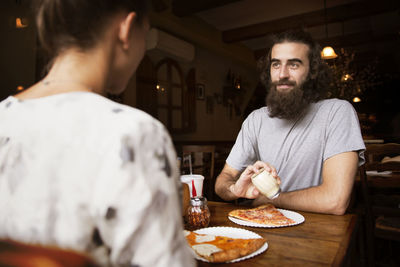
<point>289,65</point>
<point>289,73</point>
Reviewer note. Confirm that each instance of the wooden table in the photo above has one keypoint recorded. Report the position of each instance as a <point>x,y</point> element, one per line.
<point>322,240</point>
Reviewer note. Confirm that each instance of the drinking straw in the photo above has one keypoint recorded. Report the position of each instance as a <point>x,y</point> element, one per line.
<point>190,163</point>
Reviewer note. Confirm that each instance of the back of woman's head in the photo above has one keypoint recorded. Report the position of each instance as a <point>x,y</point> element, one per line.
<point>63,24</point>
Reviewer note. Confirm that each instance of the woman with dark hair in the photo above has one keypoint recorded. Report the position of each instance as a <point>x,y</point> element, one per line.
<point>78,170</point>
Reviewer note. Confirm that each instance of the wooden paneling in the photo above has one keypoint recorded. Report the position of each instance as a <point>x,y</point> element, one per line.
<point>182,8</point>
<point>367,39</point>
<point>146,81</point>
<point>334,14</point>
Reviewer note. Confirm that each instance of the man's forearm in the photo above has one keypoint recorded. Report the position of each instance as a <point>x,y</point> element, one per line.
<point>332,196</point>
<point>314,199</point>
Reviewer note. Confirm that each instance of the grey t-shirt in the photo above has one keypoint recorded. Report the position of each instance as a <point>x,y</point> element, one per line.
<point>298,149</point>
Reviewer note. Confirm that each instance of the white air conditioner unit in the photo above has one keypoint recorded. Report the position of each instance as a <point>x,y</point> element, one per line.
<point>157,39</point>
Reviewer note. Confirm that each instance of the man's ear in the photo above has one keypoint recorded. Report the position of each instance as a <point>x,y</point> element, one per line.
<point>313,76</point>
<point>125,29</point>
<point>314,72</point>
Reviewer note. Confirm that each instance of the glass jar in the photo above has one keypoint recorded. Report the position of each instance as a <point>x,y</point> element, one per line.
<point>198,214</point>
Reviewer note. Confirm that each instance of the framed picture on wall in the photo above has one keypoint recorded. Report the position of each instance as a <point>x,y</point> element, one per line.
<point>200,91</point>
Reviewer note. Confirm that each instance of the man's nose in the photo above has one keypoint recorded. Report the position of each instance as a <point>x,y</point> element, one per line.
<point>284,72</point>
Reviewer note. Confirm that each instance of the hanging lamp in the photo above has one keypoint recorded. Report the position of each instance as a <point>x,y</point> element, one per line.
<point>327,52</point>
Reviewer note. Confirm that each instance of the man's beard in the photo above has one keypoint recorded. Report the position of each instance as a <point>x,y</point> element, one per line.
<point>287,105</point>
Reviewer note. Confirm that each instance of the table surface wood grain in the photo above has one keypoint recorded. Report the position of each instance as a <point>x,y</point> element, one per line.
<point>322,240</point>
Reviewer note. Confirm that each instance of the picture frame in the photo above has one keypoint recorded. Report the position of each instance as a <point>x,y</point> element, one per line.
<point>200,91</point>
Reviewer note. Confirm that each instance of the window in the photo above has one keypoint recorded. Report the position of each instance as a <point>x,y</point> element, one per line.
<point>170,90</point>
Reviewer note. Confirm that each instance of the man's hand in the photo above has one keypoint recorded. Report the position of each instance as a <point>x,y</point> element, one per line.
<point>243,186</point>
<point>229,187</point>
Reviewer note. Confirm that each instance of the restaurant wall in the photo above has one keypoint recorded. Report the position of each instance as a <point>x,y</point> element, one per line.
<point>222,122</point>
<point>17,48</point>
<point>215,121</point>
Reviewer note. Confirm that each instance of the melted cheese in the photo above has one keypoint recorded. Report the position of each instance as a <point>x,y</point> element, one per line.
<point>204,238</point>
<point>205,249</point>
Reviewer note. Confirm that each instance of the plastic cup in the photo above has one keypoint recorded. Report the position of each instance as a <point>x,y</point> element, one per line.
<point>195,183</point>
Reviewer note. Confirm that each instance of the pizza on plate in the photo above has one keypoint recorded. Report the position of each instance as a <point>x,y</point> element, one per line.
<point>216,248</point>
<point>264,214</point>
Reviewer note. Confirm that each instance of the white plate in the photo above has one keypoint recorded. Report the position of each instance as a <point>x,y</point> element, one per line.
<point>296,217</point>
<point>234,233</point>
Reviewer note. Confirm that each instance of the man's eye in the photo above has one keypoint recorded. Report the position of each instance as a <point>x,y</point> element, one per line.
<point>294,65</point>
<point>275,65</point>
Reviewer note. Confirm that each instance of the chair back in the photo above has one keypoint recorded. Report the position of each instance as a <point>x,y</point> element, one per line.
<point>382,157</point>
<point>202,157</point>
<point>380,185</point>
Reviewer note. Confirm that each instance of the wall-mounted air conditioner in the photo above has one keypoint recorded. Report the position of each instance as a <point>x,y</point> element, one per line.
<point>157,39</point>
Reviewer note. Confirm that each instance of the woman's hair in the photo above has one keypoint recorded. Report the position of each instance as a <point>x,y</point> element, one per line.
<point>62,24</point>
<point>320,74</point>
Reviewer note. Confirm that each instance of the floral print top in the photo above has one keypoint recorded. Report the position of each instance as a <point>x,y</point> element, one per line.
<point>82,172</point>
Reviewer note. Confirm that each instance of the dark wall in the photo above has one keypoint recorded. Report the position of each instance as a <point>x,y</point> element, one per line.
<point>17,47</point>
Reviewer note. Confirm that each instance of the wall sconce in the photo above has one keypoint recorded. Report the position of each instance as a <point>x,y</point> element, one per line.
<point>160,88</point>
<point>21,23</point>
<point>233,93</point>
<point>237,83</point>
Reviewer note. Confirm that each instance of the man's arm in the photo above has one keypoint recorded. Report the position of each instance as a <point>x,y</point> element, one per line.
<point>332,196</point>
<point>225,180</point>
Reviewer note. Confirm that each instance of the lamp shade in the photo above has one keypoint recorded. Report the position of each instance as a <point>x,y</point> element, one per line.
<point>328,53</point>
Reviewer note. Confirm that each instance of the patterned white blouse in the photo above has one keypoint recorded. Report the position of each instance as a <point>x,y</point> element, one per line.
<point>82,172</point>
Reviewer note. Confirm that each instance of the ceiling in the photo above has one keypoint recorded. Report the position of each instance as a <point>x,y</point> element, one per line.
<point>368,28</point>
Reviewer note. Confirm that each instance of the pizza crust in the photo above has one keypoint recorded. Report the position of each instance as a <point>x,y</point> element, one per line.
<point>228,255</point>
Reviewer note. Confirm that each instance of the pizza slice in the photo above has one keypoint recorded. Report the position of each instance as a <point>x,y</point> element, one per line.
<point>221,248</point>
<point>265,214</point>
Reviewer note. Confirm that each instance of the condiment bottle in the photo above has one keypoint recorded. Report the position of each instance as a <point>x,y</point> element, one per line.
<point>266,184</point>
<point>185,198</point>
<point>198,214</point>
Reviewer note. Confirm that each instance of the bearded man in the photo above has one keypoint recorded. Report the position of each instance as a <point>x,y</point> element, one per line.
<point>311,144</point>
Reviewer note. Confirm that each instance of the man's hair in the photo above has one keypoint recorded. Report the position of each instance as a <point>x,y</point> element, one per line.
<point>63,24</point>
<point>319,73</point>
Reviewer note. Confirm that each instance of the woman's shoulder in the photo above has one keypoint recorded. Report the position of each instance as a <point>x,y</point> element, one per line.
<point>104,105</point>
<point>114,118</point>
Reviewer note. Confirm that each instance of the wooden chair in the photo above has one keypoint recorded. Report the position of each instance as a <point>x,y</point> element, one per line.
<point>202,157</point>
<point>380,186</point>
